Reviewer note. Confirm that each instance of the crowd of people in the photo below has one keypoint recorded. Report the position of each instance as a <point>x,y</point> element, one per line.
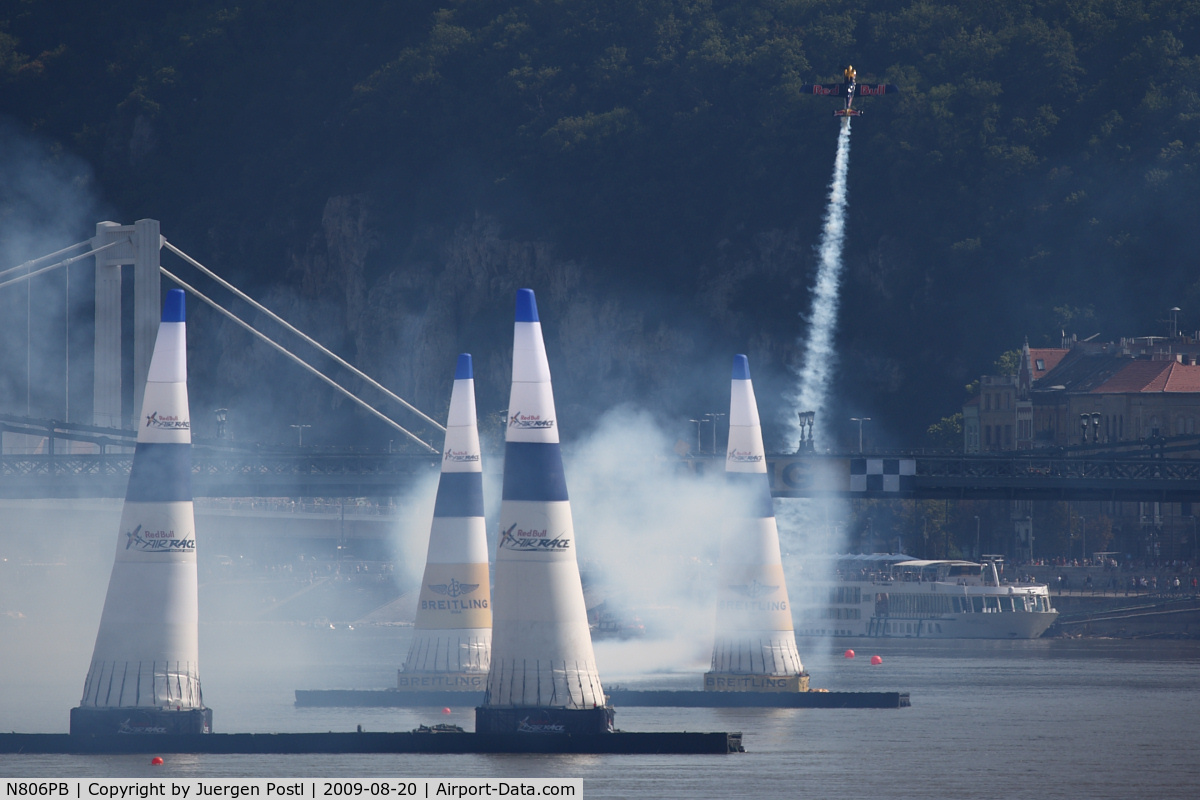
<point>1106,575</point>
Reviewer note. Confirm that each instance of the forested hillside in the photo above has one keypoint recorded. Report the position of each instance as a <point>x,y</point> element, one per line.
<point>388,173</point>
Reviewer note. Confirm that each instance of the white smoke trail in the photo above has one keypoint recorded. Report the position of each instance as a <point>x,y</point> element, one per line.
<point>816,371</point>
<point>809,528</point>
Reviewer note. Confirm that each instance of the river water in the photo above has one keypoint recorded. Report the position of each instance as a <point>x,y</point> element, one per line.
<point>1047,718</point>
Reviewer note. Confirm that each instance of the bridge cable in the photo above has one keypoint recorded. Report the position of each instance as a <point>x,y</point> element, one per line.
<point>334,384</point>
<point>66,262</point>
<point>260,307</point>
<point>30,263</point>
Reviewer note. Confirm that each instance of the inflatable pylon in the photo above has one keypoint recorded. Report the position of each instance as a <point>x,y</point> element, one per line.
<point>451,646</point>
<point>543,676</point>
<point>755,645</point>
<point>145,670</point>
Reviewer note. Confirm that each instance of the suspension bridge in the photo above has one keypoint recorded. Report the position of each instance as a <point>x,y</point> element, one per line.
<point>221,469</point>
<point>91,458</point>
<point>140,247</point>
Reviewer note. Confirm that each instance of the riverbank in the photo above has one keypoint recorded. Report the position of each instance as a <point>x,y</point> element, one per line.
<point>1126,616</point>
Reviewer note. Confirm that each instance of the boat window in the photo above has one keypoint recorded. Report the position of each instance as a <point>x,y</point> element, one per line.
<point>977,604</point>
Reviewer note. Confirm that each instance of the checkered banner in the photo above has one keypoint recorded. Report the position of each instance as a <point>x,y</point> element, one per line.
<point>882,474</point>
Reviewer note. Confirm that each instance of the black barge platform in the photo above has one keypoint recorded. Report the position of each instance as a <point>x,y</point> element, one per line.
<point>618,697</point>
<point>629,698</point>
<point>457,742</point>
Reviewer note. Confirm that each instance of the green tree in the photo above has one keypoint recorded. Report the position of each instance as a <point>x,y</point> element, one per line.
<point>947,433</point>
<point>1069,319</point>
<point>1009,363</point>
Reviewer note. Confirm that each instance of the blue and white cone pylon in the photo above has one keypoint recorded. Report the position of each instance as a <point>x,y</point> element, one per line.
<point>145,670</point>
<point>543,675</point>
<point>755,645</point>
<point>451,646</point>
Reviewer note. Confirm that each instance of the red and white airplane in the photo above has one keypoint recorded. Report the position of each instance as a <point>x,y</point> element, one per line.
<point>850,89</point>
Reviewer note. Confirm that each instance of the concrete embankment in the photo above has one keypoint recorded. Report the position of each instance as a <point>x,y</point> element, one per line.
<point>1126,616</point>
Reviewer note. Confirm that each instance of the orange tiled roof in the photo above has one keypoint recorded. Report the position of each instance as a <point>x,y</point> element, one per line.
<point>1049,356</point>
<point>1183,378</point>
<point>1136,376</point>
<point>1152,376</point>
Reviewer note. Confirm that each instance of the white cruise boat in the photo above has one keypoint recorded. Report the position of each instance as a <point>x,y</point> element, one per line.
<point>896,596</point>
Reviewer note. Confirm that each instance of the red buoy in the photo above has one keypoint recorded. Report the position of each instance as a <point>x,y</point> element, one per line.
<point>156,761</point>
<point>445,711</point>
<point>876,661</point>
<point>849,654</point>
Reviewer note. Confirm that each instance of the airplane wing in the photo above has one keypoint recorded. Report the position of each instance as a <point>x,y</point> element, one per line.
<point>875,89</point>
<point>824,89</point>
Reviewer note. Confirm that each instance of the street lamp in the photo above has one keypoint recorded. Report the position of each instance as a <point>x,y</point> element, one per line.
<point>222,414</point>
<point>698,422</point>
<point>1096,427</point>
<point>1083,424</point>
<point>713,417</point>
<point>1029,519</point>
<point>977,536</point>
<point>300,433</point>
<point>806,419</point>
<point>860,421</point>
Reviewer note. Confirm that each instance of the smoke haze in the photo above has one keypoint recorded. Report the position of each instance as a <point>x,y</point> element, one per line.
<point>47,201</point>
<point>648,539</point>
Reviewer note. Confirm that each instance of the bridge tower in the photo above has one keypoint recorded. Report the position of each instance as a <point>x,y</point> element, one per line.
<point>138,244</point>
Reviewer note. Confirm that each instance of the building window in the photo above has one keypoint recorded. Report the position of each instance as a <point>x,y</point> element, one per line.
<point>987,435</point>
<point>1040,364</point>
<point>987,402</point>
<point>1007,435</point>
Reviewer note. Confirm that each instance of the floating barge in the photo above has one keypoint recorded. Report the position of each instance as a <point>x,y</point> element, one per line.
<point>394,698</point>
<point>420,741</point>
<point>698,699</point>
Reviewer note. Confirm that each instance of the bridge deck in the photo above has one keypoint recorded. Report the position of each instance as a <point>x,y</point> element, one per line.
<point>306,474</point>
